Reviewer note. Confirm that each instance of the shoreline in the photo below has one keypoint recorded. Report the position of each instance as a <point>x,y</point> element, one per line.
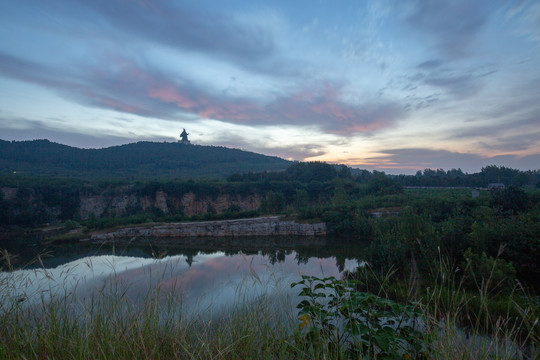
<point>261,226</point>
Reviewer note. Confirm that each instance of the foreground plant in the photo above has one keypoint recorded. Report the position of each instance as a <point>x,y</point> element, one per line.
<point>348,323</point>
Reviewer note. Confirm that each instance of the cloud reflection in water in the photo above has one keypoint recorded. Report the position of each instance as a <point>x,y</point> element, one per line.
<point>211,283</point>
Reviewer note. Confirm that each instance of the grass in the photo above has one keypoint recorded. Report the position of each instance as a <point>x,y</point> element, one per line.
<point>67,237</point>
<point>462,323</point>
<point>110,324</point>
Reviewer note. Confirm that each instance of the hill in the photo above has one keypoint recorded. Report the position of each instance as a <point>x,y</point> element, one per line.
<point>141,160</point>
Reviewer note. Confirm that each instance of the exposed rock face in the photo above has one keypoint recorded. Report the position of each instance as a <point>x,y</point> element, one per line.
<point>264,226</point>
<point>9,194</point>
<point>161,202</point>
<point>158,201</point>
<point>121,204</point>
<point>92,205</point>
<point>126,200</point>
<point>189,204</point>
<point>53,212</point>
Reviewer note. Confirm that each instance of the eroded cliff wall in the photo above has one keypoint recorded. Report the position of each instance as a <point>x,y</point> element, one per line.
<point>188,204</point>
<point>119,201</point>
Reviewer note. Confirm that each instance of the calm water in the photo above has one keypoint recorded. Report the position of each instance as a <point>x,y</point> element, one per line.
<point>206,273</point>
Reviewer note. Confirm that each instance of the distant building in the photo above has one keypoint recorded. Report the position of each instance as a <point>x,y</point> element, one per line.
<point>475,193</point>
<point>184,138</point>
<point>496,186</point>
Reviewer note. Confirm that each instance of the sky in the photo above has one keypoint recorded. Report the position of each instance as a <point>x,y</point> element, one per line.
<point>397,86</point>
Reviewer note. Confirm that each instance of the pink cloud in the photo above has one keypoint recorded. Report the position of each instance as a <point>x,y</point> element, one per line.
<point>170,94</point>
<point>124,85</point>
<point>324,107</point>
<point>240,111</point>
<point>112,103</point>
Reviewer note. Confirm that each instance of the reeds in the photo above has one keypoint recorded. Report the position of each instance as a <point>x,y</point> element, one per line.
<point>483,323</point>
<point>111,323</point>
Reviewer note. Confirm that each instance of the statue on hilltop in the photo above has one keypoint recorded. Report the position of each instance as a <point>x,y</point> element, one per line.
<point>184,136</point>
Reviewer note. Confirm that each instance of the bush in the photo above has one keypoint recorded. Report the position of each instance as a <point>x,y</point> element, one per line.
<point>352,324</point>
<point>273,202</point>
<point>509,200</point>
<point>381,184</point>
<point>70,225</point>
<point>486,272</point>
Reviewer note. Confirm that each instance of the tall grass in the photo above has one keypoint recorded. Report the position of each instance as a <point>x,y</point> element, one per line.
<point>111,324</point>
<point>100,332</point>
<point>488,322</point>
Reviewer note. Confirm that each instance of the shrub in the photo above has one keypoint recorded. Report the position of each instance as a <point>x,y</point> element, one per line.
<point>487,272</point>
<point>352,324</point>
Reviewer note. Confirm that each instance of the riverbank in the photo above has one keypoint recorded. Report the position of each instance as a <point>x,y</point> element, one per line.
<point>261,226</point>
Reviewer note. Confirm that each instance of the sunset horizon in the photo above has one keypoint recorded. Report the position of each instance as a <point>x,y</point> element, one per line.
<point>388,86</point>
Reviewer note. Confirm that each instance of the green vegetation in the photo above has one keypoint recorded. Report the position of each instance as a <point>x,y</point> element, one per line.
<point>351,324</point>
<point>137,161</point>
<point>111,325</point>
<point>488,174</point>
<point>337,319</point>
<point>467,267</point>
<point>401,224</point>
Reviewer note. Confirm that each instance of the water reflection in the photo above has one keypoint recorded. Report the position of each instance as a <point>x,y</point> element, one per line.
<point>202,281</point>
<point>24,253</point>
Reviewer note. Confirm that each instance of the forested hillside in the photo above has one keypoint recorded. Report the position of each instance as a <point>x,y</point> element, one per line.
<point>142,160</point>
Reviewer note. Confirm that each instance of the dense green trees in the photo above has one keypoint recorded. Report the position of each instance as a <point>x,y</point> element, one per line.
<point>311,171</point>
<point>382,184</point>
<point>136,161</point>
<point>509,200</point>
<point>273,202</point>
<point>456,177</point>
<point>474,235</point>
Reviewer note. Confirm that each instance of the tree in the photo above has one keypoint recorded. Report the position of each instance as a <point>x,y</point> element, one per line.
<point>301,199</point>
<point>344,172</point>
<point>311,171</point>
<point>511,199</point>
<point>340,196</point>
<point>382,184</point>
<point>273,202</point>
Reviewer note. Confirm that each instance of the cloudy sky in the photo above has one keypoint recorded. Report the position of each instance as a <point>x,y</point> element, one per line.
<point>390,85</point>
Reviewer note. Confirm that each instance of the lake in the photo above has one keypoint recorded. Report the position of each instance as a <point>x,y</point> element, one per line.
<point>209,275</point>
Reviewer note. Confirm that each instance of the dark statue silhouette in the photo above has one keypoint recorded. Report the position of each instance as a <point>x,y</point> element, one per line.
<point>184,136</point>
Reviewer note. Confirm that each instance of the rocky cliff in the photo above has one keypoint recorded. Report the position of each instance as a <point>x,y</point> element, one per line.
<point>263,226</point>
<point>119,201</point>
<point>188,204</point>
